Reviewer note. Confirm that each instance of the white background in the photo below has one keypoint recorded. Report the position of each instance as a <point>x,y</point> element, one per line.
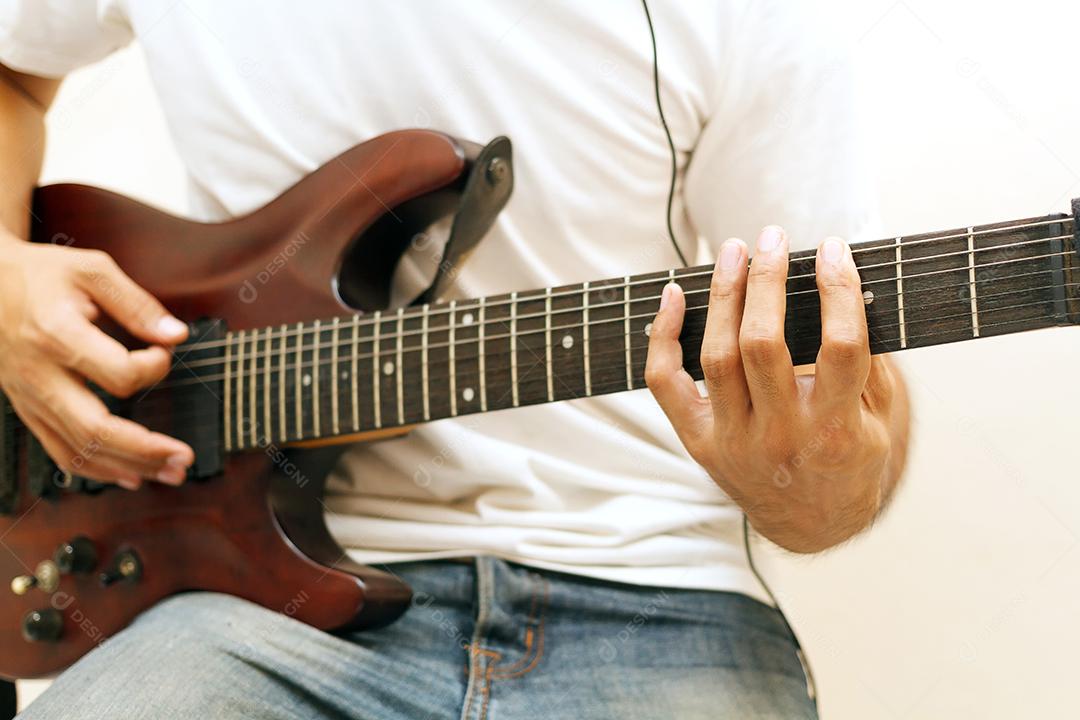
<point>962,601</point>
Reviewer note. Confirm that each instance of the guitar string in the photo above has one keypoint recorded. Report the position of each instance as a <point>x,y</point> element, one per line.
<point>167,384</point>
<point>618,322</point>
<point>792,309</point>
<point>700,271</point>
<point>600,386</point>
<point>391,351</point>
<point>325,326</point>
<point>390,336</point>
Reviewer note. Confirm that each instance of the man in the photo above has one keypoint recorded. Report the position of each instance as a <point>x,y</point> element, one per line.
<point>580,559</point>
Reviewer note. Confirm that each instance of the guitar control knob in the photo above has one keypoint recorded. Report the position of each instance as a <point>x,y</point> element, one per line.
<point>44,625</point>
<point>22,584</point>
<point>78,556</point>
<point>126,566</point>
<point>46,577</point>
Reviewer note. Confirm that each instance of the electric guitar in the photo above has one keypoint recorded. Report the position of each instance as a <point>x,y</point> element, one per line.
<point>293,353</point>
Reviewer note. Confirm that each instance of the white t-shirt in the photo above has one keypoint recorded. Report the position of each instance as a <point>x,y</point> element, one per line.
<point>759,104</point>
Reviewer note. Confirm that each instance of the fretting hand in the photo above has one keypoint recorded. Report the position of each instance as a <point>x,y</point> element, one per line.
<point>811,459</point>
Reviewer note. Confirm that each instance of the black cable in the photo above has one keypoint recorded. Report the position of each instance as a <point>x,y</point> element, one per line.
<point>667,132</point>
<point>811,684</point>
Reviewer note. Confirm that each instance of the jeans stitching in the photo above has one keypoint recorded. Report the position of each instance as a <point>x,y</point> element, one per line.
<point>530,636</point>
<point>515,671</point>
<point>483,588</point>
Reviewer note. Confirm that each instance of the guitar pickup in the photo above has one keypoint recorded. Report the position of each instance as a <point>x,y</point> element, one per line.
<point>9,465</point>
<point>187,405</point>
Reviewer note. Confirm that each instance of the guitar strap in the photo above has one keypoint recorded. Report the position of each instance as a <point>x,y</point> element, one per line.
<point>488,184</point>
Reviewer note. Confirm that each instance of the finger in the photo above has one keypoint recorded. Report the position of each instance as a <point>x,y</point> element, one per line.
<point>100,448</point>
<point>770,376</point>
<point>135,309</point>
<point>671,385</point>
<point>721,362</point>
<point>69,460</point>
<point>104,361</point>
<point>844,359</point>
<point>881,384</point>
<point>86,423</point>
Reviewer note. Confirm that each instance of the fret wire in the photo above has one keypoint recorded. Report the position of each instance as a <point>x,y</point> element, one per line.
<point>315,378</point>
<point>268,430</point>
<point>298,390</point>
<point>228,392</point>
<point>900,295</point>
<point>253,425</point>
<point>282,420</point>
<point>240,390</point>
<point>513,349</point>
<point>482,353</point>
<point>353,380</point>
<point>626,331</point>
<point>971,280</point>
<point>547,347</point>
<point>585,335</point>
<point>334,377</point>
<point>424,361</point>
<point>400,392</point>
<point>375,370</point>
<point>453,364</point>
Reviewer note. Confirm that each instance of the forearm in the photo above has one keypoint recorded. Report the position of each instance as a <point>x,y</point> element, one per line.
<point>23,102</point>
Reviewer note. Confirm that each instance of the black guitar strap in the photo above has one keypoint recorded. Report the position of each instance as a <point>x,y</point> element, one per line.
<point>487,188</point>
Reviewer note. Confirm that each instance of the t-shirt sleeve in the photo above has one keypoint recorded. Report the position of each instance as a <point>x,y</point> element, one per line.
<point>53,37</point>
<point>783,143</point>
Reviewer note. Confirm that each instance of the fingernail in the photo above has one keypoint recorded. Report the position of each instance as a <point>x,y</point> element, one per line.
<point>169,326</point>
<point>178,461</point>
<point>665,295</point>
<point>730,253</point>
<point>770,238</point>
<point>170,476</point>
<point>128,483</point>
<point>832,250</point>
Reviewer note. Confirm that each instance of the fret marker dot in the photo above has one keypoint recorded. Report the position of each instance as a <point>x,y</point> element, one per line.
<point>388,368</point>
<point>466,319</point>
<point>648,329</point>
<point>306,380</point>
<point>568,341</point>
<point>868,296</point>
<point>467,394</point>
<point>344,374</point>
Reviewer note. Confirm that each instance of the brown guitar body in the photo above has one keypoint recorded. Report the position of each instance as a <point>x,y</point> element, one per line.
<point>257,529</point>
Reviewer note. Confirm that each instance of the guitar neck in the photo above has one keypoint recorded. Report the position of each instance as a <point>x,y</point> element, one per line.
<point>363,373</point>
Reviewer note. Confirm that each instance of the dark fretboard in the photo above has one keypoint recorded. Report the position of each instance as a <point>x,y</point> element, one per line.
<point>360,373</point>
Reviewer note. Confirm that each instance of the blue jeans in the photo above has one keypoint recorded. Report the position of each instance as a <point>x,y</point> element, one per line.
<point>484,639</point>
